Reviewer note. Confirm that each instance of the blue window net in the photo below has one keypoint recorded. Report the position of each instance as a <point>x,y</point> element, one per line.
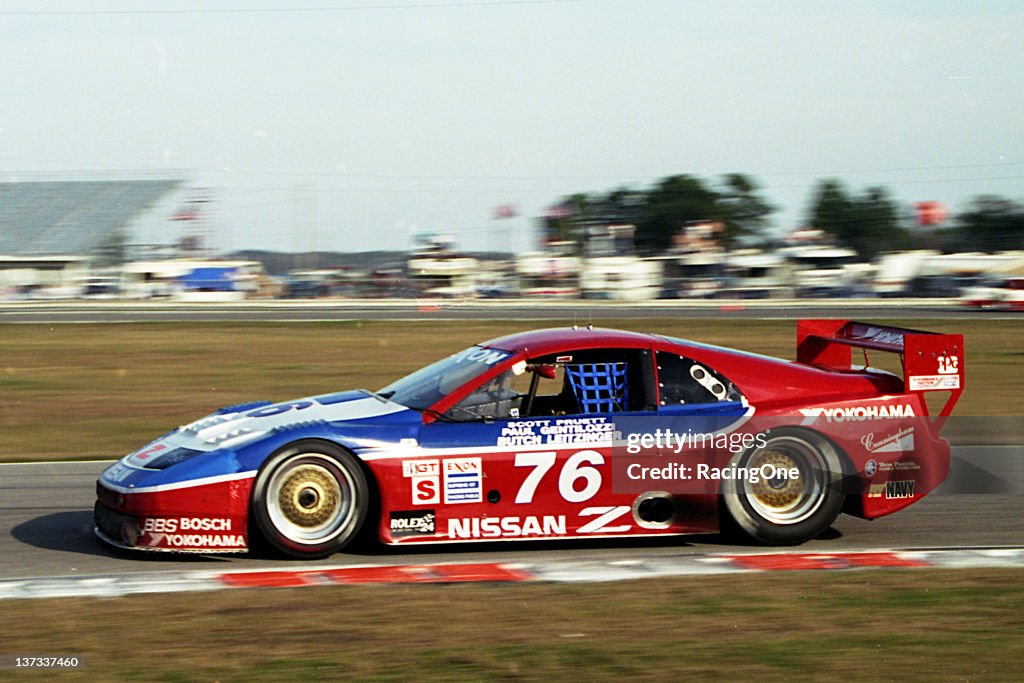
<point>599,387</point>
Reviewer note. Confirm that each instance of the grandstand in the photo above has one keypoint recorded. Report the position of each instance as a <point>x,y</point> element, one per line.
<point>71,218</point>
<point>50,231</point>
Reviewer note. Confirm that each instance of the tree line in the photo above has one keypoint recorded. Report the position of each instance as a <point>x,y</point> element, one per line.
<point>871,222</point>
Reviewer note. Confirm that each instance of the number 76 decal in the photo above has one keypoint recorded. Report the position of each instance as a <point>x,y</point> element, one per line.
<point>579,466</point>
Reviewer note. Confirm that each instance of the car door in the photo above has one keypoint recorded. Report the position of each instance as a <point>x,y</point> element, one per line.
<point>537,460</point>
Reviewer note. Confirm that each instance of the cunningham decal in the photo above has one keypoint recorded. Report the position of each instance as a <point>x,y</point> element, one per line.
<point>901,440</point>
<point>857,413</point>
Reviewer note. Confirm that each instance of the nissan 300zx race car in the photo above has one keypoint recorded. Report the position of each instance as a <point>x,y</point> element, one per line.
<point>559,433</point>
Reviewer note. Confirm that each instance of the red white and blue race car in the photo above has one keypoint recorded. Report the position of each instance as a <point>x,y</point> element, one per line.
<point>559,433</point>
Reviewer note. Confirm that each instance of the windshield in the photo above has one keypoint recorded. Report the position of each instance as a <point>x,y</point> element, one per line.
<point>425,387</point>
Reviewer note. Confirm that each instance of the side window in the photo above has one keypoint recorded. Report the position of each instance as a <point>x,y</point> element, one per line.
<point>591,381</point>
<point>684,381</point>
<point>587,382</point>
<point>498,398</point>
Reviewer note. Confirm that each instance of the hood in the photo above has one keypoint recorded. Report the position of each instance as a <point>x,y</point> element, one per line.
<point>234,427</point>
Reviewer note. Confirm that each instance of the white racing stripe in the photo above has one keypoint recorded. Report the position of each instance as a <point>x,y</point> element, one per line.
<point>191,483</point>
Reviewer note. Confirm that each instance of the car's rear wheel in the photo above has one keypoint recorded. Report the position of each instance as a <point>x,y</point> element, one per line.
<point>786,510</point>
<point>310,499</point>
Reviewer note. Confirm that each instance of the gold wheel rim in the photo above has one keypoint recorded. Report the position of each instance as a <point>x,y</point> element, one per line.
<point>778,494</point>
<point>309,496</point>
<point>310,499</point>
<point>786,501</point>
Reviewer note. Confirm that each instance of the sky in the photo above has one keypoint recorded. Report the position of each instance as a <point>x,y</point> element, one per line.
<point>353,125</point>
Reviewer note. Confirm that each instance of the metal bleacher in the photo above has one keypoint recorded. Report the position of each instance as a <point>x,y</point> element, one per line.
<point>71,217</point>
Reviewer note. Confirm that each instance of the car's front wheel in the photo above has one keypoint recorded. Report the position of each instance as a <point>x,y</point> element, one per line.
<point>781,509</point>
<point>310,499</point>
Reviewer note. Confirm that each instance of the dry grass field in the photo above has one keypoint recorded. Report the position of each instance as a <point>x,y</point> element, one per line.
<point>99,391</point>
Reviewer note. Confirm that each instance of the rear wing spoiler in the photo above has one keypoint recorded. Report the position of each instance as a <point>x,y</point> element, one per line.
<point>931,361</point>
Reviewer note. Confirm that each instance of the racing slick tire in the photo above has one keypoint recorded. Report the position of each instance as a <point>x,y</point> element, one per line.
<point>310,499</point>
<point>784,510</point>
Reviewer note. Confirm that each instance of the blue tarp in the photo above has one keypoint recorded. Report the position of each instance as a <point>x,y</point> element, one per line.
<point>209,279</point>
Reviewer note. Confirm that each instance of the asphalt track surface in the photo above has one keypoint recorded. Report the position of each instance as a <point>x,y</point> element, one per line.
<point>579,312</point>
<point>46,527</point>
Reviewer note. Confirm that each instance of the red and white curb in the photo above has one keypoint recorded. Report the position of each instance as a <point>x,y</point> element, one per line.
<point>565,571</point>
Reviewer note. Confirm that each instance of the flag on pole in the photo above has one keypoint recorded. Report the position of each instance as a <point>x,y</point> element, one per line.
<point>930,213</point>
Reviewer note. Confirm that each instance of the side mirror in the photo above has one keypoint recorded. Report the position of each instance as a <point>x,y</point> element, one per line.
<point>545,371</point>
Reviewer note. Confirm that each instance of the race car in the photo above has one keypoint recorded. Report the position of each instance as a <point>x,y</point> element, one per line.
<point>557,434</point>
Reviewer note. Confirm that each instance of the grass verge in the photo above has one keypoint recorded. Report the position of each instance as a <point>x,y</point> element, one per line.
<point>914,625</point>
